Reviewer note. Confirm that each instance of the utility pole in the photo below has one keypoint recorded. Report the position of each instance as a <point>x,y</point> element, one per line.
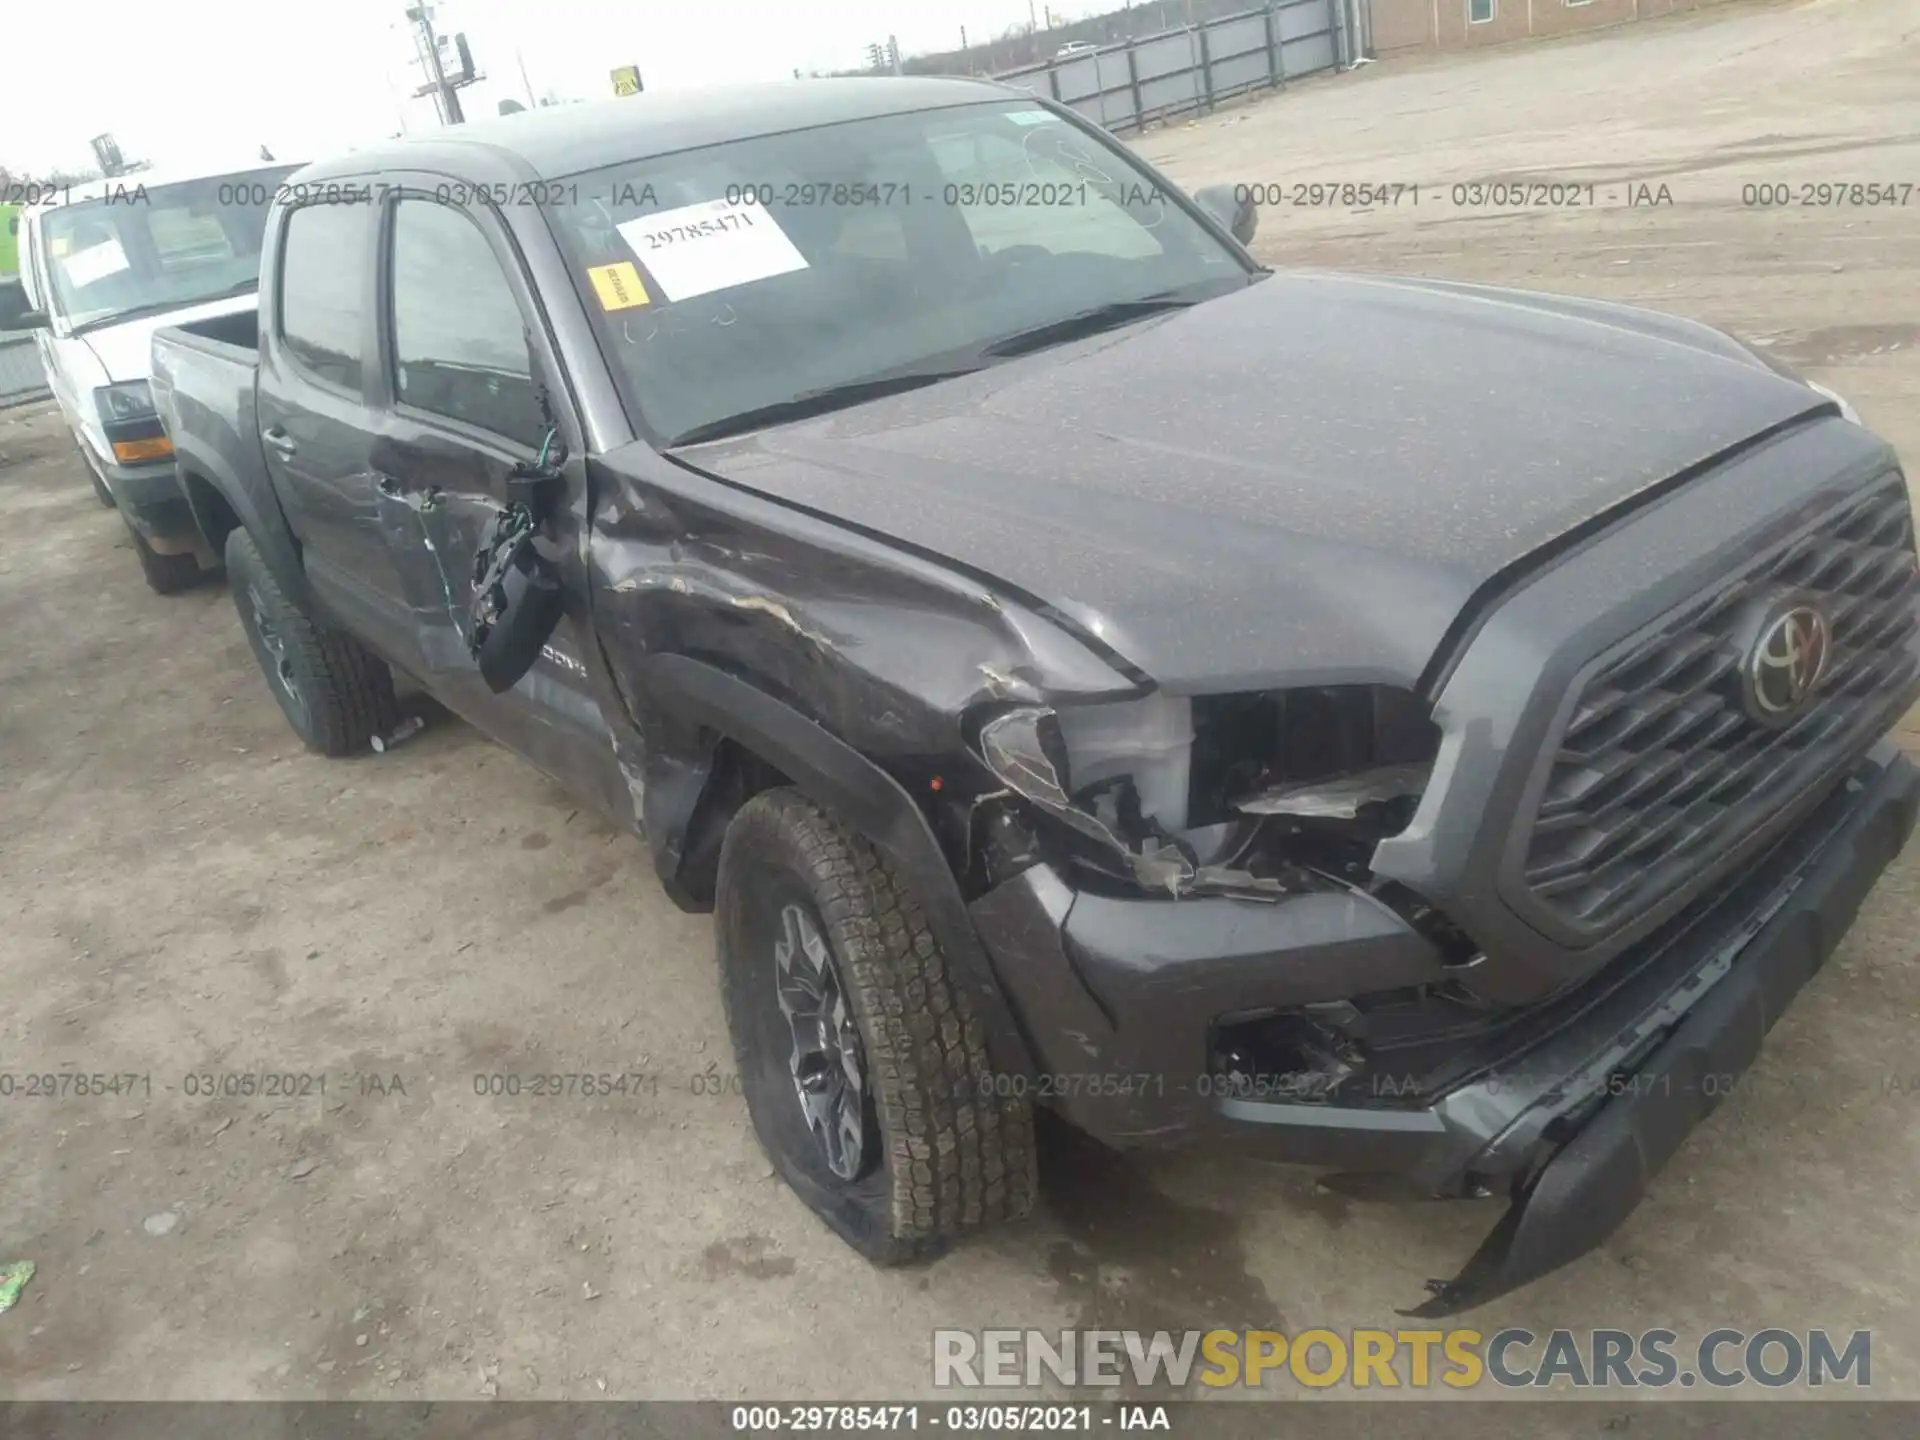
<point>446,99</point>
<point>525,83</point>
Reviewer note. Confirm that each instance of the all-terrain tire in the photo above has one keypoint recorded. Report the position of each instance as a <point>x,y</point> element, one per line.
<point>166,574</point>
<point>947,1153</point>
<point>335,692</point>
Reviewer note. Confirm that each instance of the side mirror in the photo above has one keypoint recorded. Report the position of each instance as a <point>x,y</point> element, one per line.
<point>1233,207</point>
<point>517,602</point>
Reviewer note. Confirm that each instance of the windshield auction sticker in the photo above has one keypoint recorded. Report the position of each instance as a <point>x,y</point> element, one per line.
<point>618,285</point>
<point>96,262</point>
<point>714,245</point>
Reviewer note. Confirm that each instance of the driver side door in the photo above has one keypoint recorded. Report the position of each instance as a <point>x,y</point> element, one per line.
<point>463,343</point>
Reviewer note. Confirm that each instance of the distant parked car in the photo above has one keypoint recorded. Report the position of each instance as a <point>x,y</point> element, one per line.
<point>1077,47</point>
<point>105,263</point>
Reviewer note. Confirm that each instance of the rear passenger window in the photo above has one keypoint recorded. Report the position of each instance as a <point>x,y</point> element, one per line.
<point>459,340</point>
<point>322,273</point>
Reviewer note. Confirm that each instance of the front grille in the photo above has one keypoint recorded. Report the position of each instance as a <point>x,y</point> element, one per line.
<point>1660,770</point>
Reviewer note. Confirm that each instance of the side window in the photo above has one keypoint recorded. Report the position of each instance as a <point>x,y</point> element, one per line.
<point>323,265</point>
<point>459,339</point>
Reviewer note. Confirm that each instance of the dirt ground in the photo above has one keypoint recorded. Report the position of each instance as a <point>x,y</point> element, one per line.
<point>184,891</point>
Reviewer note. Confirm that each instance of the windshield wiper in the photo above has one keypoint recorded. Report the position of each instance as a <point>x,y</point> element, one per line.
<point>817,402</point>
<point>1085,322</point>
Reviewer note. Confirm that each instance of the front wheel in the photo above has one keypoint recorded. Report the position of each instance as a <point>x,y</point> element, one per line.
<point>335,693</point>
<point>861,1061</point>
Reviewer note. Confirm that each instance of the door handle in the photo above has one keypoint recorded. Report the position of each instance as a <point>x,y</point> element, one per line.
<point>278,441</point>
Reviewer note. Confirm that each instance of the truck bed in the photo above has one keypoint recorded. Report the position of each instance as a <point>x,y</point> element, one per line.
<point>238,332</point>
<point>204,374</point>
<point>203,389</point>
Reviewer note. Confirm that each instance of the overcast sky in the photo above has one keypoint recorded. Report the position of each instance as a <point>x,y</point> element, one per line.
<point>193,82</point>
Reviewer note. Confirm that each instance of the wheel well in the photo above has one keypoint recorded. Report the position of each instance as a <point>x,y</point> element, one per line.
<point>214,515</point>
<point>735,777</point>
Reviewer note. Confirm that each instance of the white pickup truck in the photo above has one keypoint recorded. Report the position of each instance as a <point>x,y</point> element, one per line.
<point>103,265</point>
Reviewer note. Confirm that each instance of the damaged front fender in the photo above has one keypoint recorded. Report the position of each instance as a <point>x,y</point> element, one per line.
<point>729,624</point>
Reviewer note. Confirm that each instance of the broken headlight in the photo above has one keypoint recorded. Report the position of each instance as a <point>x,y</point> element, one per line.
<point>1354,754</point>
<point>1227,793</point>
<point>1097,770</point>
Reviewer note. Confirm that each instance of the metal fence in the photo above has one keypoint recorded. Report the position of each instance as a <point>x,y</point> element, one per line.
<point>1125,86</point>
<point>21,378</point>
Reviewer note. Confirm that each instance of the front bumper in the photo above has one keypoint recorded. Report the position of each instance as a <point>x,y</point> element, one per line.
<point>151,498</point>
<point>1118,997</point>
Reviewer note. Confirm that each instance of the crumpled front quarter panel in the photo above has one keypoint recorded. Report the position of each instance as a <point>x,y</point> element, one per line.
<point>883,649</point>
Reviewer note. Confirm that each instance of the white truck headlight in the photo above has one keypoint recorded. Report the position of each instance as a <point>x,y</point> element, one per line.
<point>126,400</point>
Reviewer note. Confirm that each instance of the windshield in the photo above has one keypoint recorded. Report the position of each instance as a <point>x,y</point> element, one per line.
<point>736,278</point>
<point>146,249</point>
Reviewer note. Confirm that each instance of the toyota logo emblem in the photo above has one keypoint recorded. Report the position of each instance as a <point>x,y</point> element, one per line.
<point>1787,662</point>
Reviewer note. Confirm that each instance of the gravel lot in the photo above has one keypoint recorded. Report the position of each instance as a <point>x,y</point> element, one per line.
<point>184,890</point>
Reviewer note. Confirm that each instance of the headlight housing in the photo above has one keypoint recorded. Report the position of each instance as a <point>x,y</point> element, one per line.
<point>1193,794</point>
<point>125,400</point>
<point>1027,750</point>
<point>134,432</point>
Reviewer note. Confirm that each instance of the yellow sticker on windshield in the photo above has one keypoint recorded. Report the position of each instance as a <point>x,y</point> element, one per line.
<point>619,285</point>
<point>59,245</point>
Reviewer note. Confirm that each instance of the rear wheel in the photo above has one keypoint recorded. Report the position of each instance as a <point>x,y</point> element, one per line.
<point>860,1059</point>
<point>335,693</point>
<point>166,574</point>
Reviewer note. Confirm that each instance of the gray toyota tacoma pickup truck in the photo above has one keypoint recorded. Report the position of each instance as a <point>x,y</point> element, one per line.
<point>1402,727</point>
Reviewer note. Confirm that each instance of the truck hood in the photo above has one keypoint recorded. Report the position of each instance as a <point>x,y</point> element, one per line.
<point>125,351</point>
<point>1303,482</point>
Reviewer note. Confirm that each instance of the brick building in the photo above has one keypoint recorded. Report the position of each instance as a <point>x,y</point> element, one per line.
<point>1456,24</point>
